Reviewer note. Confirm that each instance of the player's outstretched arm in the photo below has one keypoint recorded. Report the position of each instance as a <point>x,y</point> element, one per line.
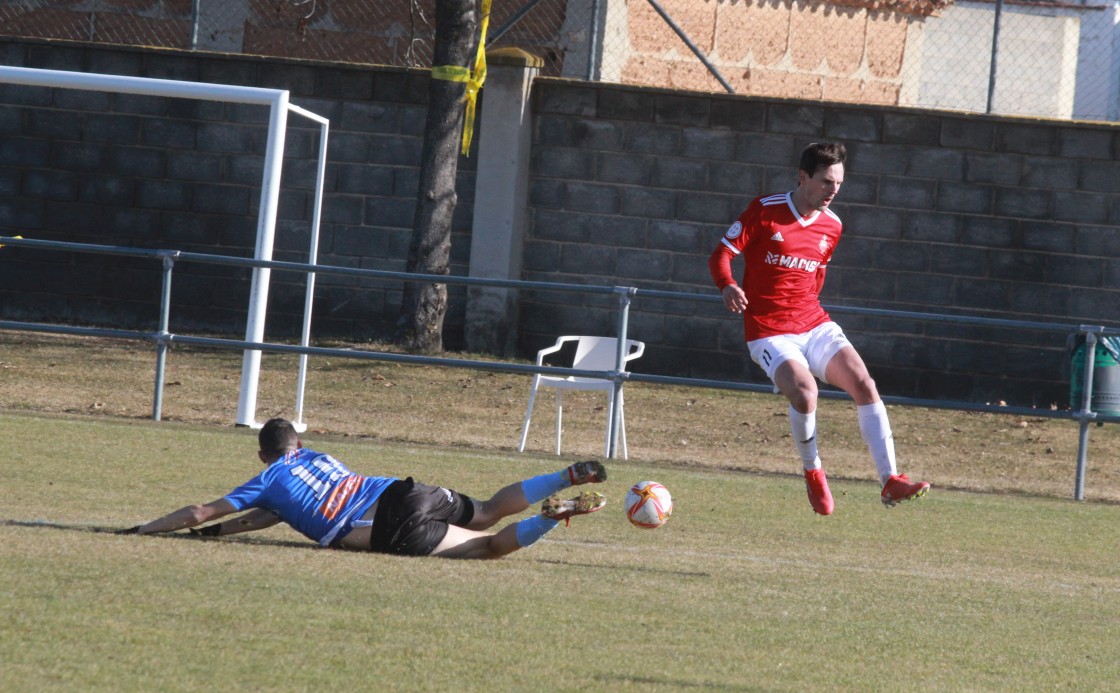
<point>249,522</point>
<point>185,517</point>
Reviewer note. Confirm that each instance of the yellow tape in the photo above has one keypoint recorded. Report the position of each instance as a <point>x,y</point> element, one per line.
<point>19,237</point>
<point>473,79</point>
<point>451,73</point>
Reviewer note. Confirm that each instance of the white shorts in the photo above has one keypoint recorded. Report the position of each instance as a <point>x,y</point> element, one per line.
<point>812,349</point>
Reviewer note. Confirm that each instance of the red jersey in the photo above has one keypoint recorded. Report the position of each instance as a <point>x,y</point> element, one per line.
<point>785,256</point>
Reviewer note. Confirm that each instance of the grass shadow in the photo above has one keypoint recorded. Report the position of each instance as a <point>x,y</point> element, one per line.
<point>95,529</point>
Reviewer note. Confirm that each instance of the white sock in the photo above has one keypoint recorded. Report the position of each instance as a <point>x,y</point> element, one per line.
<point>804,430</point>
<point>876,431</point>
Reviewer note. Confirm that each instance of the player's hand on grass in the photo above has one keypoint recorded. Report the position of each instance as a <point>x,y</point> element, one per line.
<point>211,531</point>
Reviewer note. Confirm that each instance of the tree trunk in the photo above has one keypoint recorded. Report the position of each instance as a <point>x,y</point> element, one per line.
<point>424,305</point>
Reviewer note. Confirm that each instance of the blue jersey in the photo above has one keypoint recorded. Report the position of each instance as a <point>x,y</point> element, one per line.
<point>313,492</point>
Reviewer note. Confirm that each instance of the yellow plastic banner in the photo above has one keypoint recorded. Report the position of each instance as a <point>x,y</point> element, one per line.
<point>473,79</point>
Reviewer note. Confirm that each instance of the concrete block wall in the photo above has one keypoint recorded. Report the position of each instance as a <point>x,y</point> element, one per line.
<point>149,172</point>
<point>944,213</point>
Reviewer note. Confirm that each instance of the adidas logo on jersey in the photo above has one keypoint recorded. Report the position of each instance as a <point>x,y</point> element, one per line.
<point>777,237</point>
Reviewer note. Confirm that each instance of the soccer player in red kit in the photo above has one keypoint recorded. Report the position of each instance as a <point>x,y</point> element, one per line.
<point>786,241</point>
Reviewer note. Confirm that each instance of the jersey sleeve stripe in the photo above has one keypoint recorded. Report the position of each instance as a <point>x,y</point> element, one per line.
<point>729,246</point>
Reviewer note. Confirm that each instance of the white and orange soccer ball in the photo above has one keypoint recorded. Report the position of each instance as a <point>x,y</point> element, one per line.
<point>648,504</point>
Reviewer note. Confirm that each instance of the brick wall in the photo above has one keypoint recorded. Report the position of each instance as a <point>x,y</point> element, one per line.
<point>1008,218</point>
<point>850,51</point>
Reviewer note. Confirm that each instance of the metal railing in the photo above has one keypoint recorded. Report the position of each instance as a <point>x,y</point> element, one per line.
<point>625,294</point>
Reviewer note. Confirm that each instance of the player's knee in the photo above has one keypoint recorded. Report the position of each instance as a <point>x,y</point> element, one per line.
<point>803,399</point>
<point>864,390</point>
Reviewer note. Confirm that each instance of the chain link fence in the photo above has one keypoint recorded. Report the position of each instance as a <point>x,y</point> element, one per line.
<point>1050,59</point>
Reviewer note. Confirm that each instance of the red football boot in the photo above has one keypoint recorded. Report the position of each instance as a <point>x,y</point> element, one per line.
<point>899,488</point>
<point>816,484</point>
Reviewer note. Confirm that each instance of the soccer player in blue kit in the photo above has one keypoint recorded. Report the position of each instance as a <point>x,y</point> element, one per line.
<point>325,501</point>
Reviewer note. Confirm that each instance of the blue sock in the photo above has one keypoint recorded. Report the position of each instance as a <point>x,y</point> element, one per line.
<point>540,487</point>
<point>533,528</point>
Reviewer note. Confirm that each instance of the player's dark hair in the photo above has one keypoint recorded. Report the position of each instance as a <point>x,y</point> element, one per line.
<point>277,437</point>
<point>820,155</point>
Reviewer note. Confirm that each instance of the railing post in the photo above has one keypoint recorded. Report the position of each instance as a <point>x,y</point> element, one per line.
<point>1086,414</point>
<point>613,426</point>
<point>161,336</point>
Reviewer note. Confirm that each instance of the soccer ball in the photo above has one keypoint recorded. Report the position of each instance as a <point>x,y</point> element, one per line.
<point>648,504</point>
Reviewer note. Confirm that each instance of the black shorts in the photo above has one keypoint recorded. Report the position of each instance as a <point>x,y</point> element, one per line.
<point>412,518</point>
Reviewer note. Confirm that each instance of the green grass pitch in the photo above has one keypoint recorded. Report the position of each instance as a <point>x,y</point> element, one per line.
<point>744,589</point>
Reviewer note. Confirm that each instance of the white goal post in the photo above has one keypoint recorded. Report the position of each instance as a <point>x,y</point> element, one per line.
<point>277,101</point>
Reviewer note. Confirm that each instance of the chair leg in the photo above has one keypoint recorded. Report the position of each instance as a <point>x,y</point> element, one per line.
<point>622,426</point>
<point>528,415</point>
<point>610,417</point>
<point>559,417</point>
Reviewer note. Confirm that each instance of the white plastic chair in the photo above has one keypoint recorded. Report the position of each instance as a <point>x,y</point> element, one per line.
<point>592,354</point>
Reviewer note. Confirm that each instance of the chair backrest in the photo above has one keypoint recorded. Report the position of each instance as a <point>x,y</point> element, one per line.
<point>599,353</point>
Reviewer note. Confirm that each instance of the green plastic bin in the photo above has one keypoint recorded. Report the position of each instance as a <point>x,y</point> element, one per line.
<point>1106,375</point>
